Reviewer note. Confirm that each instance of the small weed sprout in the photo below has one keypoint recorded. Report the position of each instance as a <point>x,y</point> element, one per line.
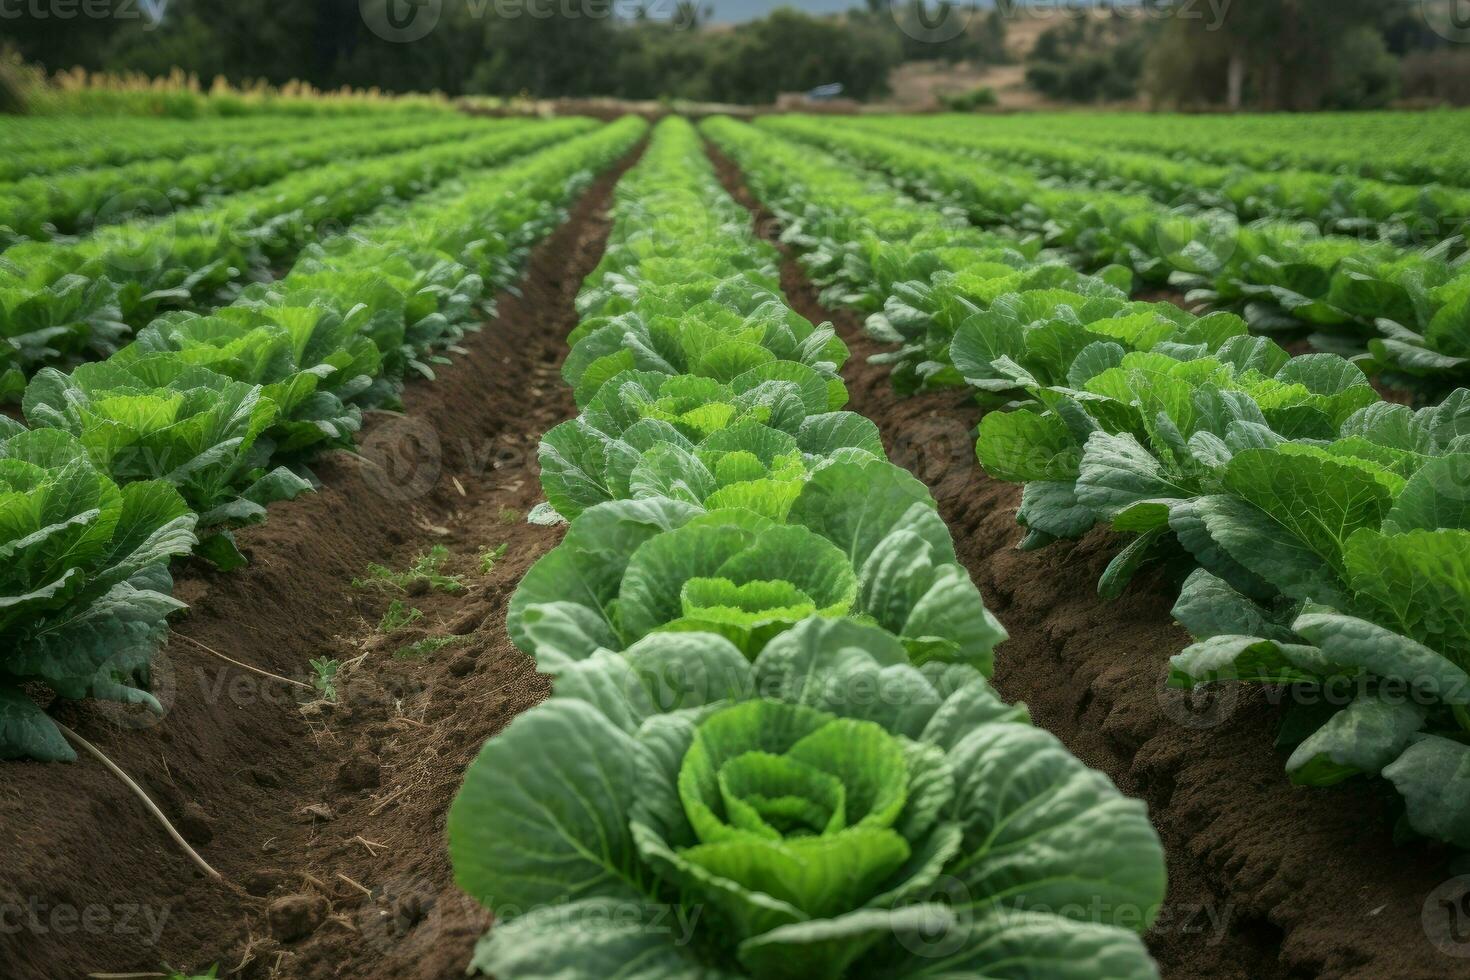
<point>325,681</point>
<point>398,616</point>
<point>489,557</point>
<point>425,569</point>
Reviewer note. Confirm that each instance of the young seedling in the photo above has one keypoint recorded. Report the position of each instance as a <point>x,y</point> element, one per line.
<point>425,569</point>
<point>489,557</point>
<point>325,680</point>
<point>398,616</point>
<point>509,515</point>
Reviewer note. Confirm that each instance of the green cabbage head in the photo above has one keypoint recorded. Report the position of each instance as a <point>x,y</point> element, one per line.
<point>828,810</point>
<point>85,590</point>
<point>856,537</point>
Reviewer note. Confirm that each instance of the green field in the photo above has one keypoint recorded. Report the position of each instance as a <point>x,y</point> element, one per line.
<point>1216,367</point>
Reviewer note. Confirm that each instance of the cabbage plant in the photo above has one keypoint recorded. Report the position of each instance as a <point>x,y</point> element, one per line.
<point>855,537</point>
<point>309,361</point>
<point>829,810</point>
<point>1384,646</point>
<point>159,417</point>
<point>46,318</point>
<point>84,582</point>
<point>645,433</point>
<point>12,381</point>
<point>708,339</point>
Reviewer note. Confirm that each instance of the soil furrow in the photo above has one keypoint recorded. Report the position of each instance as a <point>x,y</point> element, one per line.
<point>326,819</point>
<point>1265,879</point>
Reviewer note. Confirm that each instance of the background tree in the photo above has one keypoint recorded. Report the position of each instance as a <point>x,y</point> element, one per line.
<point>1283,54</point>
<point>1090,58</point>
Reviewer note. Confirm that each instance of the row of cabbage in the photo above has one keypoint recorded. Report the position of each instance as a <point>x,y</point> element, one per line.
<point>203,420</point>
<point>46,145</point>
<point>52,205</point>
<point>42,134</point>
<point>1336,203</point>
<point>1395,147</point>
<point>64,302</point>
<point>1405,313</point>
<point>1323,530</point>
<point>771,749</point>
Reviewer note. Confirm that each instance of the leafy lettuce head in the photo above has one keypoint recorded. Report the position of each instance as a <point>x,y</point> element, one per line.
<point>828,810</point>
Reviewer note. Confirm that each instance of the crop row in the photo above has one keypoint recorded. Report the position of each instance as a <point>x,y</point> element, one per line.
<point>63,302</point>
<point>1409,309</point>
<point>1396,147</point>
<point>771,749</point>
<point>1335,203</point>
<point>40,145</point>
<point>1325,532</point>
<point>97,95</point>
<point>202,421</point>
<point>61,204</point>
<point>34,133</point>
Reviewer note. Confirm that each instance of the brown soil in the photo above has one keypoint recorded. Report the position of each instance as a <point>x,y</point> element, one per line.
<point>326,820</point>
<point>1266,879</point>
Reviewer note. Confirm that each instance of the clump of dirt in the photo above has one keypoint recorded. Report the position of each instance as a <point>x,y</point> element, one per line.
<point>1265,879</point>
<point>325,817</point>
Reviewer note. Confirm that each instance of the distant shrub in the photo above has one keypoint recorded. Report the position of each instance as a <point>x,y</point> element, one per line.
<point>1088,60</point>
<point>17,81</point>
<point>1365,75</point>
<point>12,96</point>
<point>977,98</point>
